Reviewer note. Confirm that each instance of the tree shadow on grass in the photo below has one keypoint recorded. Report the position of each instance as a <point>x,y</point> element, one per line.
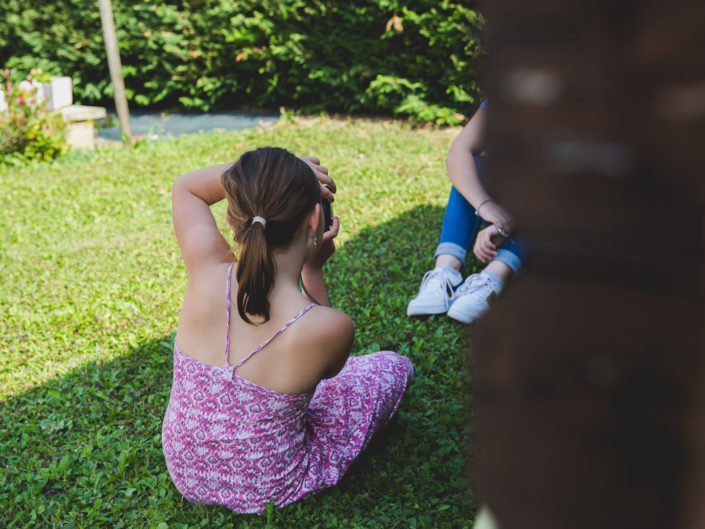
<point>85,449</point>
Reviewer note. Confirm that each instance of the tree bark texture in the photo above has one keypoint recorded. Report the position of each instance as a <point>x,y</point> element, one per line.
<point>587,371</point>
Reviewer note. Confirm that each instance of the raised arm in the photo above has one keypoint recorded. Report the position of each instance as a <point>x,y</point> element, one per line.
<point>312,273</point>
<point>462,171</point>
<point>196,231</point>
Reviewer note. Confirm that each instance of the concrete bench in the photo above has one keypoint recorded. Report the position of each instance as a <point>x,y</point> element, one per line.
<point>80,132</point>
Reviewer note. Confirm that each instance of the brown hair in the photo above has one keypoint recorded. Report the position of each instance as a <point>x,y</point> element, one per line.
<point>272,183</point>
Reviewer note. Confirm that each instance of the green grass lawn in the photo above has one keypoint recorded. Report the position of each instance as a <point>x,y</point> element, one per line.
<point>90,290</point>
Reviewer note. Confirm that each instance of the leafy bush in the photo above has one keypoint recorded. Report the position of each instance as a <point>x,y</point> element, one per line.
<point>28,130</point>
<point>414,58</point>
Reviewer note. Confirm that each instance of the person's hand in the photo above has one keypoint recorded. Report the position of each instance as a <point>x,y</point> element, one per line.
<point>487,242</point>
<point>326,246</point>
<point>495,214</point>
<point>327,183</point>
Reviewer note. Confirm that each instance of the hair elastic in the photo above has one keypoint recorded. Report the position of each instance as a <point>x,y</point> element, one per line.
<point>261,220</point>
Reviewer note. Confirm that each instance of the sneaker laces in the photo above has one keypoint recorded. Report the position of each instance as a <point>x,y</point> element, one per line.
<point>472,283</point>
<point>437,279</point>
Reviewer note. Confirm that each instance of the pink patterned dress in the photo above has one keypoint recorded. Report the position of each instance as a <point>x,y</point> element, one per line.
<point>232,442</point>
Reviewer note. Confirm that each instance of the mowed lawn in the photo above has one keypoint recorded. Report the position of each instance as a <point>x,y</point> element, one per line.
<point>90,287</point>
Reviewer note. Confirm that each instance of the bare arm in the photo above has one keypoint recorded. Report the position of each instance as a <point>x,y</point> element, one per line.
<point>460,162</point>
<point>312,273</point>
<point>342,340</point>
<point>196,231</point>
<point>462,171</point>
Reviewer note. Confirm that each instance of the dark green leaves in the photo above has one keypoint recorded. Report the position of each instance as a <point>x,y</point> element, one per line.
<point>316,55</point>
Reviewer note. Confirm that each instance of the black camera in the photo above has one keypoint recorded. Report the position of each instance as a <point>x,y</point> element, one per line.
<point>327,214</point>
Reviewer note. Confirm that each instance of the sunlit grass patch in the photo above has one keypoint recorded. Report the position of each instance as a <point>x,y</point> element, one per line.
<point>91,286</point>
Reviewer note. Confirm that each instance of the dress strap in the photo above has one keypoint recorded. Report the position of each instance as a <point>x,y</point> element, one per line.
<point>281,330</point>
<point>227,313</point>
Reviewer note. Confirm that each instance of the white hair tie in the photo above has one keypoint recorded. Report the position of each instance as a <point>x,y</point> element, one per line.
<point>261,220</point>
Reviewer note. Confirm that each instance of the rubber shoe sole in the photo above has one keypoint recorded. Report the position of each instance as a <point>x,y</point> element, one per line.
<point>417,309</point>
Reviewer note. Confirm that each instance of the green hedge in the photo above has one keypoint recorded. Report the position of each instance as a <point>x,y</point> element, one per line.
<point>416,58</point>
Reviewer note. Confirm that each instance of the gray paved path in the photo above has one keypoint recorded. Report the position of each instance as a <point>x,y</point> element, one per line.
<point>157,125</point>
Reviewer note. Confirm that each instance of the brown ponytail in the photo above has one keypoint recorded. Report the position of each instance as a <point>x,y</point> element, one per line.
<point>271,183</point>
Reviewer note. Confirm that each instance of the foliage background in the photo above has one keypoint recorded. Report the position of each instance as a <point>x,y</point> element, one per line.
<point>413,58</point>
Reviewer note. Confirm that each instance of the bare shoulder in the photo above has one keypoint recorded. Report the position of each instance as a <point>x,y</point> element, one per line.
<point>333,317</point>
<point>330,326</point>
<point>329,335</point>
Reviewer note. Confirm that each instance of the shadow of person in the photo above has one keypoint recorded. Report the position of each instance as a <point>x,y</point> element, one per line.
<point>87,445</point>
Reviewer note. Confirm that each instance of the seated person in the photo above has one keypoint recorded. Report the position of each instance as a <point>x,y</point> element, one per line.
<point>266,405</point>
<point>469,206</point>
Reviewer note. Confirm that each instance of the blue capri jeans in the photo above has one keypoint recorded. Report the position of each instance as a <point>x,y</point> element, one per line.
<point>460,227</point>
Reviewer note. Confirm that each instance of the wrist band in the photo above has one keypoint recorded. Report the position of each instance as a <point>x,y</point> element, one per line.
<point>477,209</point>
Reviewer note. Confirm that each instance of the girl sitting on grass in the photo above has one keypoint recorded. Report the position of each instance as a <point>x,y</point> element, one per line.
<point>257,414</point>
<point>469,206</point>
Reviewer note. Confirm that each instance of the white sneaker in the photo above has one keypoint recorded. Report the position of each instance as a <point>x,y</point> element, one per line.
<point>474,297</point>
<point>437,292</point>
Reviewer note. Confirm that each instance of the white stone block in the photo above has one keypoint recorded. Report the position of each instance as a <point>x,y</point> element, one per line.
<point>58,92</point>
<point>80,130</point>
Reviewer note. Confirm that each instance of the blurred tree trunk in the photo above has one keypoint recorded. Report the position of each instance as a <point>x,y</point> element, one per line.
<point>589,409</point>
<point>115,66</point>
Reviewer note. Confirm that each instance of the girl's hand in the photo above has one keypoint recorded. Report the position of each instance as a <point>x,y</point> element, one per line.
<point>327,183</point>
<point>495,214</point>
<point>487,242</point>
<point>326,246</point>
